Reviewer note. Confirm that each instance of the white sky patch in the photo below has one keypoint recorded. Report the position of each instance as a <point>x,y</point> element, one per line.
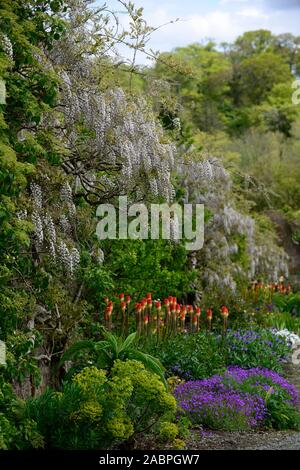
<point>220,21</point>
<point>252,13</point>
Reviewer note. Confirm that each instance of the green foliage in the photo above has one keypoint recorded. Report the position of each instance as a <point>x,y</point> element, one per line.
<point>281,415</point>
<point>256,347</point>
<point>141,266</point>
<point>189,356</point>
<point>17,432</point>
<point>168,432</point>
<point>99,411</point>
<point>104,353</point>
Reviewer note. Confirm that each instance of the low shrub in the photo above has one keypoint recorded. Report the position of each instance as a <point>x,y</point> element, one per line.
<point>98,411</point>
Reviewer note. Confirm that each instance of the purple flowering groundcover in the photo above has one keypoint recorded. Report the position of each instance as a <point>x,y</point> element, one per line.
<point>236,399</point>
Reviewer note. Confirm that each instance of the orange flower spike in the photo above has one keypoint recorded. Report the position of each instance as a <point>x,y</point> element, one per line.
<point>224,311</point>
<point>198,311</point>
<point>123,306</point>
<point>209,314</point>
<point>158,305</point>
<point>145,319</point>
<point>121,296</point>
<point>128,299</point>
<point>138,307</point>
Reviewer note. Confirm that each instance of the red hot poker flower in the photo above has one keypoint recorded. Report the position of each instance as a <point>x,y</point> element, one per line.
<point>123,305</point>
<point>209,314</point>
<point>224,311</point>
<point>198,311</point>
<point>122,296</point>
<point>138,307</point>
<point>128,299</point>
<point>158,305</point>
<point>108,310</point>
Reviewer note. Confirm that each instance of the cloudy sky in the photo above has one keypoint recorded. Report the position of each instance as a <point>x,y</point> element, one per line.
<point>220,20</point>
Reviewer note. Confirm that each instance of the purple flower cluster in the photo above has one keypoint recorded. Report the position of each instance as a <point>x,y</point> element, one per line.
<point>265,378</point>
<point>234,397</point>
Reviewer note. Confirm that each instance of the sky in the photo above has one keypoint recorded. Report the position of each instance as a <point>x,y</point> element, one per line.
<point>218,20</point>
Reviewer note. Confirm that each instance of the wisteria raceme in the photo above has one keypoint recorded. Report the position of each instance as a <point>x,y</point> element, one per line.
<point>50,229</point>
<point>65,224</point>
<point>6,45</point>
<point>125,148</point>
<point>75,259</point>
<point>37,195</point>
<point>67,198</point>
<point>39,232</point>
<point>22,214</point>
